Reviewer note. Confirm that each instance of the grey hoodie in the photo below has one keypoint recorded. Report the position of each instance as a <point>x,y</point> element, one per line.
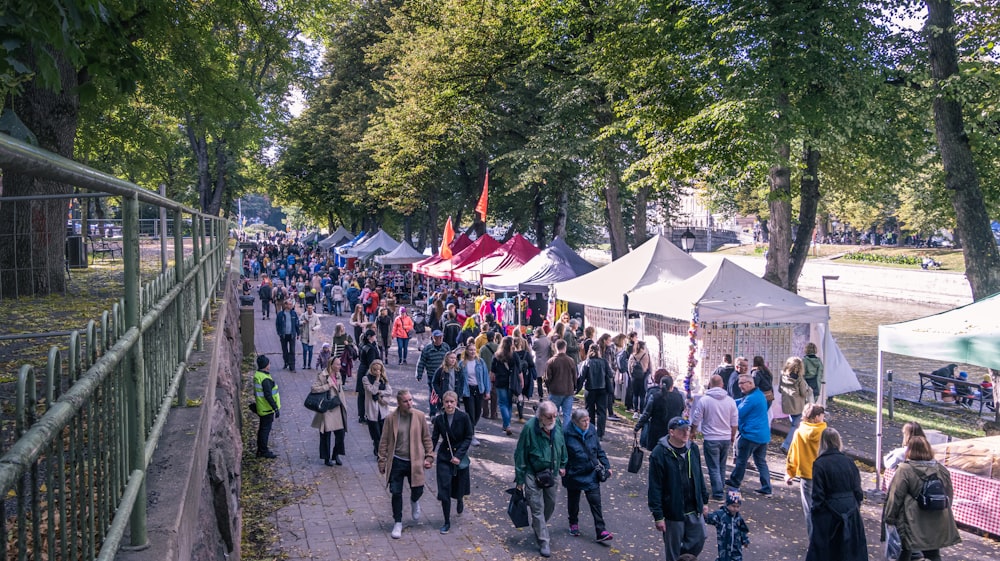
<point>715,415</point>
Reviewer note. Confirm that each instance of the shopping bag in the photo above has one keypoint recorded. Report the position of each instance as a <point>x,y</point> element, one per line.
<point>635,460</point>
<point>517,508</point>
<point>892,547</point>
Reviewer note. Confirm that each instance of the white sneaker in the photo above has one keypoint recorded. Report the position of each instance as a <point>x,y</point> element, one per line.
<point>397,530</point>
<point>415,510</point>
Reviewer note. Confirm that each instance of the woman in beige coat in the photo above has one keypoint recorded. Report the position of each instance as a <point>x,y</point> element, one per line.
<point>333,421</point>
<point>795,393</point>
<point>377,392</point>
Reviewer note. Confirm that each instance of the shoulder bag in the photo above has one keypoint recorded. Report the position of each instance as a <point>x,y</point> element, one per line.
<point>635,460</point>
<point>320,402</point>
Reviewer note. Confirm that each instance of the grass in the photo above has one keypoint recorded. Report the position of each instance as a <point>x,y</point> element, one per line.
<point>950,259</point>
<point>957,423</point>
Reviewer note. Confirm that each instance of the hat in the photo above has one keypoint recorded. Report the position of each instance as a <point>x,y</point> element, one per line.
<point>262,362</point>
<point>325,345</point>
<point>733,497</point>
<point>402,309</point>
<point>437,333</point>
<point>678,423</point>
<point>963,375</point>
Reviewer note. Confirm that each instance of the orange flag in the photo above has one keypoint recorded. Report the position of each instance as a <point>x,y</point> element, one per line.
<point>481,205</point>
<point>449,236</point>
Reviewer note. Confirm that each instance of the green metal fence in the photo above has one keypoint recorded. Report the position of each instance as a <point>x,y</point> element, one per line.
<point>73,482</point>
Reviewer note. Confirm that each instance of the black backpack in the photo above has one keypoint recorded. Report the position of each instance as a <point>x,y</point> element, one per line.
<point>932,494</point>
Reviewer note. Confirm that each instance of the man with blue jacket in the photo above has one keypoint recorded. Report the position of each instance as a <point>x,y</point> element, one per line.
<point>755,433</point>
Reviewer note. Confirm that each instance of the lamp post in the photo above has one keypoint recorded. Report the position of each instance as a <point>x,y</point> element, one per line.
<point>826,278</point>
<point>687,241</point>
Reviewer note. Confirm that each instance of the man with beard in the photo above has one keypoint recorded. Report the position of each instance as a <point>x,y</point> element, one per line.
<point>404,452</point>
<point>540,454</point>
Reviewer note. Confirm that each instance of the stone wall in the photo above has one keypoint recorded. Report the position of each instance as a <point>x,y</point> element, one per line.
<point>193,482</point>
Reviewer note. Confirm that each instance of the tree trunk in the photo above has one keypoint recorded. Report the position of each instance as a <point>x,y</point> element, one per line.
<point>562,209</point>
<point>780,238</point>
<point>432,226</point>
<point>640,228</point>
<point>808,203</point>
<point>538,219</point>
<point>221,165</point>
<point>982,260</point>
<point>613,206</point>
<point>33,233</point>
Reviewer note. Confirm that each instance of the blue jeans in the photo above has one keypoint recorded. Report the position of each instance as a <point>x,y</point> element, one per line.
<point>564,402</point>
<point>716,452</point>
<point>402,345</point>
<point>307,355</point>
<point>791,432</point>
<point>503,402</point>
<point>337,305</point>
<point>745,449</point>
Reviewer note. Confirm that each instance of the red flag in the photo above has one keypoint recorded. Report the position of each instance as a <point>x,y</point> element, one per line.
<point>449,236</point>
<point>481,205</point>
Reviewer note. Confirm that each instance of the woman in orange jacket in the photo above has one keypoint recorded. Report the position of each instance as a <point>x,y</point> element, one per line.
<point>402,327</point>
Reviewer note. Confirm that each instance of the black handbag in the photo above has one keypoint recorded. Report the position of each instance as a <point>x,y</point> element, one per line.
<point>320,403</point>
<point>635,460</point>
<point>517,508</point>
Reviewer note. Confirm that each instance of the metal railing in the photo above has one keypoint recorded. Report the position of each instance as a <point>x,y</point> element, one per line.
<point>73,482</point>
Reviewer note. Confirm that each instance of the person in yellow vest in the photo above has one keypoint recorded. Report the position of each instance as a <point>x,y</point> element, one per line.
<point>267,403</point>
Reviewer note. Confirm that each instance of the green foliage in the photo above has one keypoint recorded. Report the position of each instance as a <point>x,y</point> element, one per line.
<point>881,258</point>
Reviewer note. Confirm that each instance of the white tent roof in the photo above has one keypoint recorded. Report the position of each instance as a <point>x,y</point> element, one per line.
<point>656,261</point>
<point>336,238</point>
<point>969,334</point>
<point>380,242</point>
<point>404,254</point>
<point>724,291</point>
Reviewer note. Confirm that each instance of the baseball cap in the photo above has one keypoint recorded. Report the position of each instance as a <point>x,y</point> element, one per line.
<point>437,333</point>
<point>733,497</point>
<point>678,423</point>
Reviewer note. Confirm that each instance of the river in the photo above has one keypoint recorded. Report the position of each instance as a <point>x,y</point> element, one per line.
<point>854,323</point>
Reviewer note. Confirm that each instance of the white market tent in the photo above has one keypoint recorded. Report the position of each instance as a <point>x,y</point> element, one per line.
<point>379,242</point>
<point>656,261</point>
<point>728,299</point>
<point>404,254</point>
<point>339,237</point>
<point>968,334</point>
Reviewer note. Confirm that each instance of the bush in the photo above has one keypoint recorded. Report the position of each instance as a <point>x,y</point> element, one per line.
<point>867,257</point>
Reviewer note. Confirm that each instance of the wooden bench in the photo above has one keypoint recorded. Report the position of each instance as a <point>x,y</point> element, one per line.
<point>104,248</point>
<point>964,390</point>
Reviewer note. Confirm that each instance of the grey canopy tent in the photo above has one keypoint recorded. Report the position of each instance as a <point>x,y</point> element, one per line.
<point>404,254</point>
<point>339,237</point>
<point>968,334</point>
<point>377,243</point>
<point>557,262</point>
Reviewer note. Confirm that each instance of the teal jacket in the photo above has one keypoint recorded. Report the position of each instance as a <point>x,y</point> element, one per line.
<point>536,451</point>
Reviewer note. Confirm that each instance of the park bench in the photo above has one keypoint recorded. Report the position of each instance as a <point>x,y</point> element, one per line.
<point>104,248</point>
<point>938,386</point>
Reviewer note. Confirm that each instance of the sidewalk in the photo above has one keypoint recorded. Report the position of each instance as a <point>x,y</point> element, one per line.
<point>346,514</point>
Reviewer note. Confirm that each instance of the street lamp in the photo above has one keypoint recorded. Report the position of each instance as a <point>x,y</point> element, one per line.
<point>826,278</point>
<point>687,241</point>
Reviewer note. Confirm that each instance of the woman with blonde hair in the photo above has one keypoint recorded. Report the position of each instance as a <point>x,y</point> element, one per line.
<point>453,428</point>
<point>331,423</point>
<point>358,320</point>
<point>795,393</point>
<point>377,392</point>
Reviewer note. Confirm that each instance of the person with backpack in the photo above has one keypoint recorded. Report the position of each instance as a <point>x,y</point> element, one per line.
<point>639,369</point>
<point>919,503</point>
<point>838,529</point>
<point>596,377</point>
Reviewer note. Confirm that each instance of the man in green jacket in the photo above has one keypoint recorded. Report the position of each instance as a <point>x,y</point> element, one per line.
<point>540,454</point>
<point>267,403</point>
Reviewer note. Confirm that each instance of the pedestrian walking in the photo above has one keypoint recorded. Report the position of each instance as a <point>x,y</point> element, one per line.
<point>560,378</point>
<point>596,377</point>
<point>717,417</point>
<point>813,370</point>
<point>731,531</point>
<point>402,327</point>
<point>587,467</point>
<point>675,465</point>
<point>795,393</point>
<point>539,457</point>
<point>376,401</point>
<point>404,452</point>
<point>801,455</point>
<point>477,385</point>
<point>332,424</point>
<point>308,334</point>
<point>755,433</point>
<point>838,532</point>
<point>286,323</point>
<point>453,428</point>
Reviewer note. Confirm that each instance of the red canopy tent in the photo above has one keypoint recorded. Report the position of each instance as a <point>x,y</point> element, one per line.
<point>460,243</point>
<point>479,249</point>
<point>508,257</point>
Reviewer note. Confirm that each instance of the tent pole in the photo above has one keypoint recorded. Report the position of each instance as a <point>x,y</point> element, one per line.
<point>878,427</point>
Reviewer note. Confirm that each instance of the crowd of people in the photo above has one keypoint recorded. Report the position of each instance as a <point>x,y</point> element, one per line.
<point>476,366</point>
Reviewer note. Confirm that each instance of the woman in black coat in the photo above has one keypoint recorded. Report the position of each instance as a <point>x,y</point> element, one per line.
<point>658,412</point>
<point>454,429</point>
<point>585,459</point>
<point>838,531</point>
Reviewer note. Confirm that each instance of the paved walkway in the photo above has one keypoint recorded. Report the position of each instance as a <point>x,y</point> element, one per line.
<point>346,512</point>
